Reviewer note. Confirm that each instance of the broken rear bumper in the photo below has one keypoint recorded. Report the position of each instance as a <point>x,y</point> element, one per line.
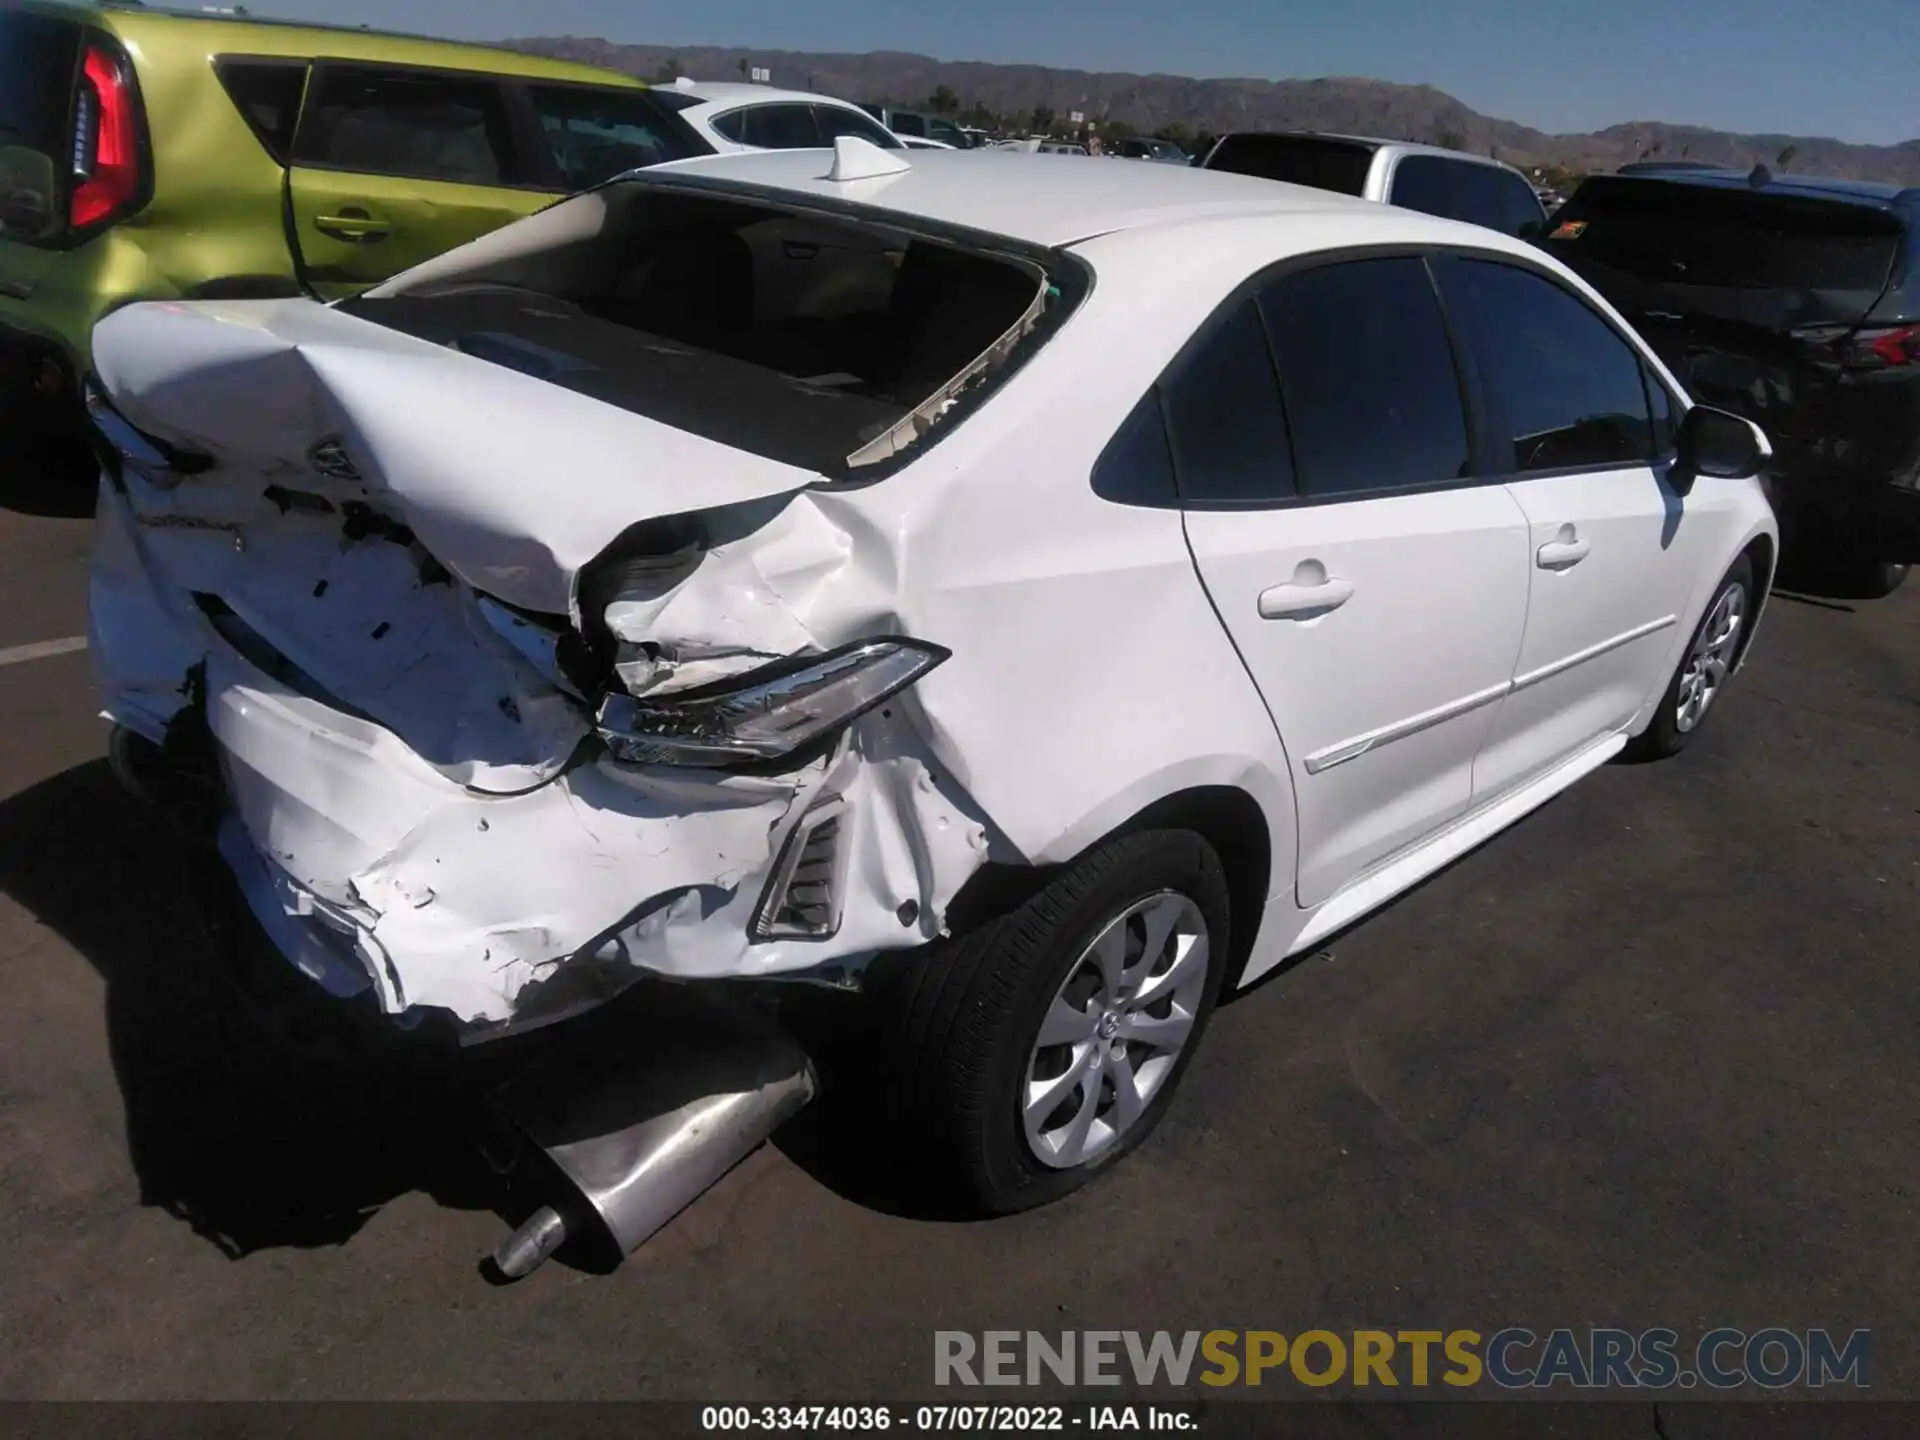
<point>371,869</point>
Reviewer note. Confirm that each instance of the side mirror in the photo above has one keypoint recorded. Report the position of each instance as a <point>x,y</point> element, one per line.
<point>1720,446</point>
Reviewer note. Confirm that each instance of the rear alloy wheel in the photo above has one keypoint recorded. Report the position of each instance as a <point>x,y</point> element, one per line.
<point>1033,1053</point>
<point>1705,669</point>
<point>1115,1031</point>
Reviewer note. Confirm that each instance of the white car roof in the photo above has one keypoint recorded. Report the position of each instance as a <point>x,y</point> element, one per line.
<point>1397,147</point>
<point>1021,195</point>
<point>734,93</point>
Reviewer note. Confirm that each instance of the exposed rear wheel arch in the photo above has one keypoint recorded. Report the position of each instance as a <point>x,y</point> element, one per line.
<point>1228,819</point>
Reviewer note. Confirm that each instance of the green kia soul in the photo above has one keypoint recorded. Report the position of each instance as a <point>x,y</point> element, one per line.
<point>150,155</point>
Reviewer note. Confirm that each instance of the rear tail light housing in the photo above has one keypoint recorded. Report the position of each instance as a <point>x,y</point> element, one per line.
<point>1871,347</point>
<point>768,714</point>
<point>1885,347</point>
<point>109,154</point>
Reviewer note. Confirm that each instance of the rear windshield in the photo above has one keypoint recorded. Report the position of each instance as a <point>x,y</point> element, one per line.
<point>1727,239</point>
<point>819,341</point>
<point>38,55</point>
<point>1339,165</point>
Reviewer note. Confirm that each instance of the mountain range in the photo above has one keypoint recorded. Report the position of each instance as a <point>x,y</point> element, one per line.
<point>1152,102</point>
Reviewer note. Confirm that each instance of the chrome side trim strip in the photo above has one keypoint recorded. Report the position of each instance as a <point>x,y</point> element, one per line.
<point>1353,749</point>
<point>1592,652</point>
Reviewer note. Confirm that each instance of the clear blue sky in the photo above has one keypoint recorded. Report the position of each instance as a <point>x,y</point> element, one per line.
<point>1846,68</point>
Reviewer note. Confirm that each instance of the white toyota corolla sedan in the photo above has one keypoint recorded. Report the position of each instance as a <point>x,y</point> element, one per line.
<point>1064,591</point>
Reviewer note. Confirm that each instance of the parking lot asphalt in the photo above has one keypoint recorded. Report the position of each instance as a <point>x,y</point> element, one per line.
<point>1647,1059</point>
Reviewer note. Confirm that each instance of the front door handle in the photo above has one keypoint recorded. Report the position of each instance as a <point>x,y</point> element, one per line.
<point>1309,595</point>
<point>1564,551</point>
<point>352,223</point>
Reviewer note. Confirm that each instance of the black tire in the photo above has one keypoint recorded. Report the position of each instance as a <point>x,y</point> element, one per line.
<point>1856,577</point>
<point>1666,735</point>
<point>960,1019</point>
<point>1833,556</point>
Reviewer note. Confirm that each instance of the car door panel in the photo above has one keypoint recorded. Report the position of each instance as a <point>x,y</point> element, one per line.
<point>393,167</point>
<point>1599,626</point>
<point>1613,549</point>
<point>1375,594</point>
<point>356,230</point>
<point>1384,700</point>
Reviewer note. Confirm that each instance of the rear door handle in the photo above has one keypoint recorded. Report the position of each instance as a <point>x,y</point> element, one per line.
<point>352,223</point>
<point>1564,551</point>
<point>1310,594</point>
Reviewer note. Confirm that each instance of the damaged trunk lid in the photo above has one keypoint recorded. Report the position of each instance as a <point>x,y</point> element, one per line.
<point>511,483</point>
<point>384,527</point>
<point>398,505</point>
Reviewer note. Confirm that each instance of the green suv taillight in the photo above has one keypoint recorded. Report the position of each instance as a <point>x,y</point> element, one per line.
<point>108,173</point>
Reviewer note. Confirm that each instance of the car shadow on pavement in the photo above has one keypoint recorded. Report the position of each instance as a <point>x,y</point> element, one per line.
<point>254,1147</point>
<point>848,1138</point>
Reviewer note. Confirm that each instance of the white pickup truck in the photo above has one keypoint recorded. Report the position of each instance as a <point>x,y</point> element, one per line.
<point>1448,183</point>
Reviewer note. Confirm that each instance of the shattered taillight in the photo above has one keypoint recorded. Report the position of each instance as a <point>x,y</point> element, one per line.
<point>109,175</point>
<point>769,713</point>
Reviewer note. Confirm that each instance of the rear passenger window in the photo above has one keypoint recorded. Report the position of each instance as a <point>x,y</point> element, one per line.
<point>1372,396</point>
<point>1225,423</point>
<point>413,123</point>
<point>1566,390</point>
<point>267,93</point>
<point>775,127</point>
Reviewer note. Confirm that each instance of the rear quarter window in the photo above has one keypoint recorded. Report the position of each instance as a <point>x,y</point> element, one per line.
<point>771,127</point>
<point>267,95</point>
<point>38,59</point>
<point>1226,423</point>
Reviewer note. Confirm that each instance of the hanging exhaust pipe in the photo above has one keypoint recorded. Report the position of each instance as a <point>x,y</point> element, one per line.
<point>639,1126</point>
